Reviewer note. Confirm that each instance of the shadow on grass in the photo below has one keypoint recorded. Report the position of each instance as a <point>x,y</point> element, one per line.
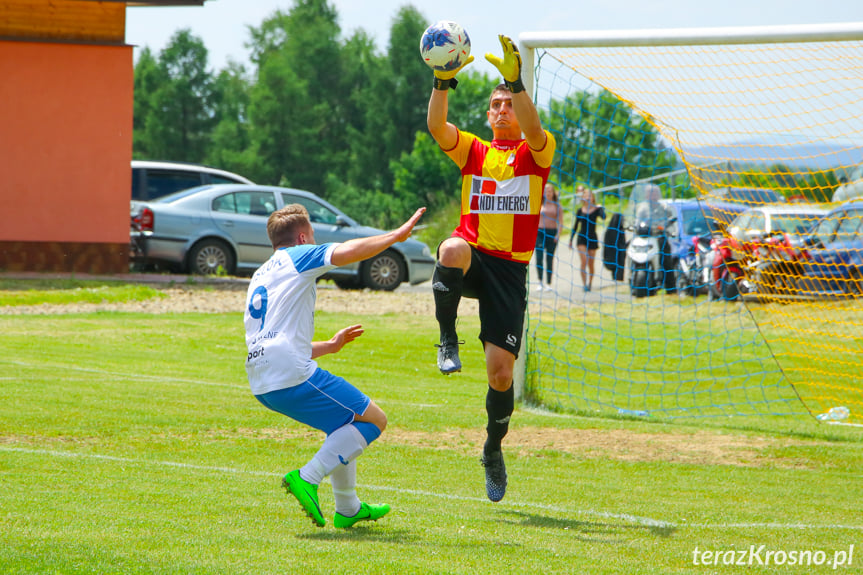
<point>591,529</point>
<point>362,533</point>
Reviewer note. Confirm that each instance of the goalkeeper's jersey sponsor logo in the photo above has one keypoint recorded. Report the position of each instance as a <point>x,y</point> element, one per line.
<point>489,196</point>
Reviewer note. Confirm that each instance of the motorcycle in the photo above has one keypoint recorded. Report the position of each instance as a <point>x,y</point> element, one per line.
<point>695,269</point>
<point>730,260</point>
<point>779,263</point>
<point>651,263</point>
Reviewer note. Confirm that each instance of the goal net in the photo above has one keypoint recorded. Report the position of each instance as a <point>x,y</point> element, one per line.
<point>753,138</point>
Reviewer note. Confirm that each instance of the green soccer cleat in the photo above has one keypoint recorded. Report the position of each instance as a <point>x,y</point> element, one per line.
<point>367,512</point>
<point>307,494</point>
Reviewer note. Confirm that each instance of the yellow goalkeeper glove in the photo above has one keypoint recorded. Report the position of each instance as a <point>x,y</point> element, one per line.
<point>510,65</point>
<point>444,80</point>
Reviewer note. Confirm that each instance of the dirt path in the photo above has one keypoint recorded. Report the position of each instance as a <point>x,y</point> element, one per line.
<point>227,298</point>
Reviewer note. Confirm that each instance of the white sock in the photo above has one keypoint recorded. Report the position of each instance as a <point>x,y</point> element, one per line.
<point>340,448</point>
<point>344,480</point>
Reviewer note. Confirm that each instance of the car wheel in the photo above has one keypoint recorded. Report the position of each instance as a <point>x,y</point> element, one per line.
<point>854,283</point>
<point>384,271</point>
<point>211,257</point>
<point>348,284</point>
<point>685,284</point>
<point>681,280</point>
<point>640,282</point>
<point>774,281</point>
<point>667,267</point>
<point>730,291</point>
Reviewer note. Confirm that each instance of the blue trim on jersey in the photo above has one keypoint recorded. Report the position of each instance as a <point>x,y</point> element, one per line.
<point>308,256</point>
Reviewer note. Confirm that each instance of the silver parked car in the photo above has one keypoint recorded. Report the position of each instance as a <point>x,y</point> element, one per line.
<point>223,229</point>
<point>759,222</point>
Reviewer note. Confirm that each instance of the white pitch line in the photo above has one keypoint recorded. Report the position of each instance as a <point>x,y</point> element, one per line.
<point>139,376</point>
<point>130,460</point>
<point>643,521</point>
<point>135,376</point>
<point>409,403</point>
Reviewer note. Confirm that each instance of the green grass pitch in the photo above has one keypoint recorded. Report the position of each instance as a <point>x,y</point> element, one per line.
<point>129,443</point>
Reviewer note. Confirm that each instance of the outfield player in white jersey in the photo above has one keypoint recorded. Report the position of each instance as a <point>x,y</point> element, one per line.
<point>283,374</point>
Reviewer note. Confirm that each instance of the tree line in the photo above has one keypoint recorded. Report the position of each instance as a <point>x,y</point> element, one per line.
<point>336,116</point>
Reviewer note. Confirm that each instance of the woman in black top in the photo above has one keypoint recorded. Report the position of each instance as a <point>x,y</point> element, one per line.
<point>584,226</point>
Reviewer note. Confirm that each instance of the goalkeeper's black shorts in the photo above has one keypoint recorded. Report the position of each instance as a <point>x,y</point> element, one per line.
<point>501,287</point>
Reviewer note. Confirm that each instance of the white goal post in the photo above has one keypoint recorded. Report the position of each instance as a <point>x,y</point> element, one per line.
<point>530,41</point>
<point>768,107</point>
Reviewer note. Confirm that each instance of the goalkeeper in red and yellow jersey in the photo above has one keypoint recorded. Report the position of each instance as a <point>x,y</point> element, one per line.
<point>488,254</point>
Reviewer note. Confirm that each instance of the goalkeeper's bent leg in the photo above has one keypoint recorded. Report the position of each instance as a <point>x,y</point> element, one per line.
<point>447,284</point>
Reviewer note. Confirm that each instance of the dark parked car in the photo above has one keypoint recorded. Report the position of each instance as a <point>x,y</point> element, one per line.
<point>693,219</point>
<point>152,180</point>
<point>835,254</point>
<point>223,229</point>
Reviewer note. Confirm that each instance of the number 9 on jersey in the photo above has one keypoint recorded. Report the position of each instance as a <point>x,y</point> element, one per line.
<point>259,311</point>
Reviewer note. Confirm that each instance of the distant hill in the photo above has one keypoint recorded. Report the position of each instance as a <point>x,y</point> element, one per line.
<point>794,155</point>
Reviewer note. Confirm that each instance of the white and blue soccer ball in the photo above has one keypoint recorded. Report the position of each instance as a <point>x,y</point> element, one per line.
<point>445,46</point>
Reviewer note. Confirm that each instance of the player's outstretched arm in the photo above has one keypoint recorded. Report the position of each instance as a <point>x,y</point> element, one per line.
<point>510,68</point>
<point>444,133</point>
<point>359,249</point>
<point>337,342</point>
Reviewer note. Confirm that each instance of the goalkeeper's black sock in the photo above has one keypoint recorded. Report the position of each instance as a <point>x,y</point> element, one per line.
<point>499,406</point>
<point>447,287</point>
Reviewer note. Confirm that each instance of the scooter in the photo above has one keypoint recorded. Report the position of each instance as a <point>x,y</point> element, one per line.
<point>651,263</point>
<point>695,269</point>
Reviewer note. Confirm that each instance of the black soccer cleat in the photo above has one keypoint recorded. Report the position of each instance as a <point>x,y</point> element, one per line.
<point>447,356</point>
<point>495,475</point>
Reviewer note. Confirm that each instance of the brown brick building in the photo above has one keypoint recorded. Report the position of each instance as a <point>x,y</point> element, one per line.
<point>66,101</point>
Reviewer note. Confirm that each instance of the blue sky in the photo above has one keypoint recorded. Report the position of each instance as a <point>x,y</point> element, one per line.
<point>223,24</point>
